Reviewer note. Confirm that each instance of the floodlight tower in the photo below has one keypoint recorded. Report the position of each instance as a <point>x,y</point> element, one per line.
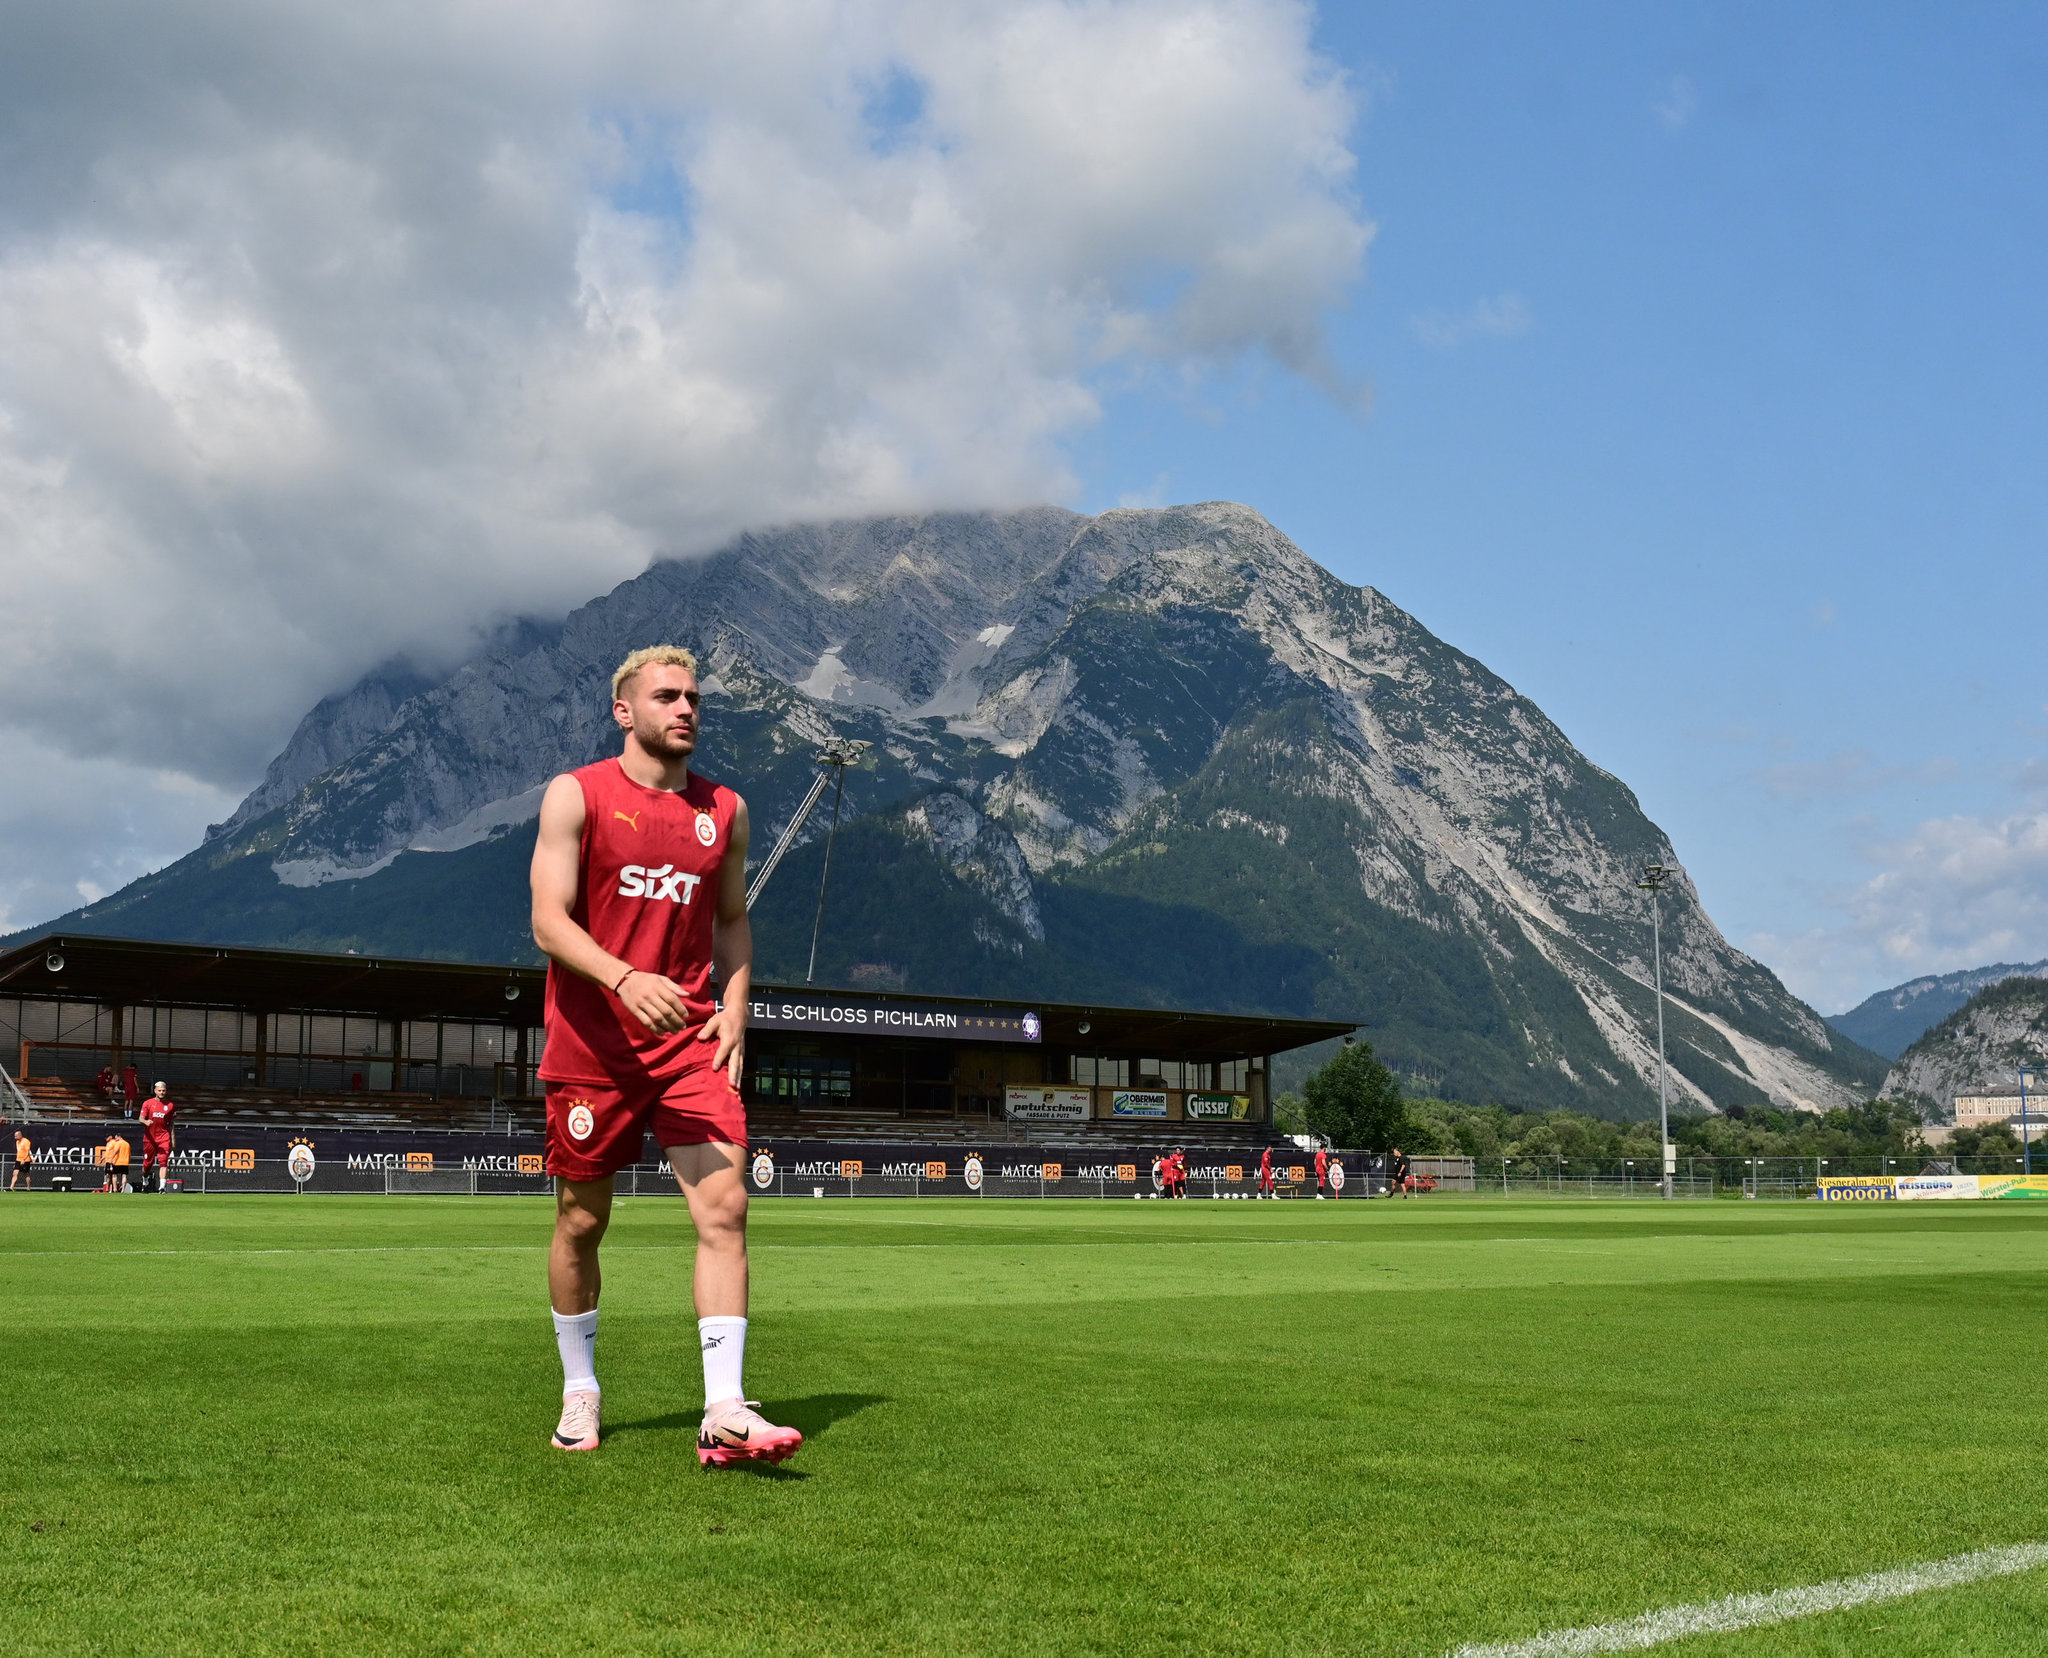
<point>838,754</point>
<point>834,757</point>
<point>2026,1139</point>
<point>1651,879</point>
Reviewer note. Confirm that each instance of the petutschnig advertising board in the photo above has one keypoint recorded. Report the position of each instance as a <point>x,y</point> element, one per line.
<point>1048,1105</point>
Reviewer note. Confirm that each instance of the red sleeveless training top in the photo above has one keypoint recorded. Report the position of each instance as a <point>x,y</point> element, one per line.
<point>647,891</point>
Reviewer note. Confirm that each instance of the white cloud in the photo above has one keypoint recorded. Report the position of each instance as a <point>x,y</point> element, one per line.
<point>1499,318</point>
<point>334,333</point>
<point>100,814</point>
<point>1955,892</point>
<point>1677,104</point>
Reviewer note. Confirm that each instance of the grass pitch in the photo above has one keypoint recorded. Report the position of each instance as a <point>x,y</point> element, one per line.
<point>320,1425</point>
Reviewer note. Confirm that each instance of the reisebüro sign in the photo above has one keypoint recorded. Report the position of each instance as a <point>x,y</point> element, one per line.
<point>884,1016</point>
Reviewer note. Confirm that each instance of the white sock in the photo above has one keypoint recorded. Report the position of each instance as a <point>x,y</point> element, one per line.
<point>724,1341</point>
<point>576,1337</point>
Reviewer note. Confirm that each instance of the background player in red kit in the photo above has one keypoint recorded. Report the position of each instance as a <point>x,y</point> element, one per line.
<point>159,1138</point>
<point>1266,1172</point>
<point>639,890</point>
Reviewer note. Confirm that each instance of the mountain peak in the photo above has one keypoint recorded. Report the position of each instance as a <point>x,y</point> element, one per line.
<point>1153,755</point>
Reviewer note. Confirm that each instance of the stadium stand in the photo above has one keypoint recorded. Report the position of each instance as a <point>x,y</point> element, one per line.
<point>287,1038</point>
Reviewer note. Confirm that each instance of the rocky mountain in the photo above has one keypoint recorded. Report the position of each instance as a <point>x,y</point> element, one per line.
<point>1977,1049</point>
<point>1152,757</point>
<point>1890,1021</point>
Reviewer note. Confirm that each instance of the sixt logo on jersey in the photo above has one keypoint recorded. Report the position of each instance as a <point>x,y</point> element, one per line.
<point>637,881</point>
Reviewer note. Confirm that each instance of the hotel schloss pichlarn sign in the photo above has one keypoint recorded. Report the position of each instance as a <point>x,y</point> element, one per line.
<point>881,1016</point>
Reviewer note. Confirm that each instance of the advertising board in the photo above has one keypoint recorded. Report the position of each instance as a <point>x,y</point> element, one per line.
<point>1048,1105</point>
<point>1859,1188</point>
<point>1217,1108</point>
<point>1925,1187</point>
<point>1124,1103</point>
<point>2032,1187</point>
<point>884,1015</point>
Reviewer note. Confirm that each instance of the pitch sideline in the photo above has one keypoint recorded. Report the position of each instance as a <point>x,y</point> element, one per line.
<point>1779,1606</point>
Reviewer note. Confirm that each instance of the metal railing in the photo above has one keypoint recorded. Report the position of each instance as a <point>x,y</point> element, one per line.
<point>13,1102</point>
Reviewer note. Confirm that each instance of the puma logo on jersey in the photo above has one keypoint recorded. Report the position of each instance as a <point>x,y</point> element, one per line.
<point>630,819</point>
<point>678,887</point>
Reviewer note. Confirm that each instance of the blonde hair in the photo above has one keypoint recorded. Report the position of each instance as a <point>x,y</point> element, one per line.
<point>670,656</point>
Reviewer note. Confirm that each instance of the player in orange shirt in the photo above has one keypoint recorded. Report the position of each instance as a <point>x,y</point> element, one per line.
<point>24,1162</point>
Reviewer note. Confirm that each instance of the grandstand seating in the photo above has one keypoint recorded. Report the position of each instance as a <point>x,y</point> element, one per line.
<point>288,1108</point>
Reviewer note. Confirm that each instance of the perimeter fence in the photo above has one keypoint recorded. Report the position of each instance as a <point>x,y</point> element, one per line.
<point>1722,1177</point>
<point>1582,1178</point>
<point>332,1176</point>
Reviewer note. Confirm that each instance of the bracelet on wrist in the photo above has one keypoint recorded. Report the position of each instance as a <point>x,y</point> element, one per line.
<point>623,977</point>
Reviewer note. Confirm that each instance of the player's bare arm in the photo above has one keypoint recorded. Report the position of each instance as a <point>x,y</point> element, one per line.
<point>732,954</point>
<point>657,1002</point>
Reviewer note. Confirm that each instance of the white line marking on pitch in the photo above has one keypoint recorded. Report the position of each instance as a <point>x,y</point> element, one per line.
<point>1779,1606</point>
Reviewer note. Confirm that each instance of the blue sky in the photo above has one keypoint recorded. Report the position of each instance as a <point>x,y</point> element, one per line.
<point>1707,353</point>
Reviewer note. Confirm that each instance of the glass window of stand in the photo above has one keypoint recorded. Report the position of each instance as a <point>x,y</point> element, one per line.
<point>798,1073</point>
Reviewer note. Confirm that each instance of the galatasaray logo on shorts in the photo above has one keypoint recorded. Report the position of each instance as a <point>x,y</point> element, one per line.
<point>970,1171</point>
<point>764,1168</point>
<point>707,828</point>
<point>581,1122</point>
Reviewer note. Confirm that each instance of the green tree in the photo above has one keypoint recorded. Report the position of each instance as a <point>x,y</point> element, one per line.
<point>1354,1101</point>
<point>1290,1113</point>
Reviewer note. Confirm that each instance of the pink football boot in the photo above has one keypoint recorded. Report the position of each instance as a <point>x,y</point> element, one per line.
<point>736,1432</point>
<point>578,1428</point>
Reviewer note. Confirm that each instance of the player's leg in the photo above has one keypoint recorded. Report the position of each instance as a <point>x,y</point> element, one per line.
<point>712,1175</point>
<point>593,1131</point>
<point>583,1210</point>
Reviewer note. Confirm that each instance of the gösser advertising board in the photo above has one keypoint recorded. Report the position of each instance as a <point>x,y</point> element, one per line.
<point>1048,1105</point>
<point>1217,1108</point>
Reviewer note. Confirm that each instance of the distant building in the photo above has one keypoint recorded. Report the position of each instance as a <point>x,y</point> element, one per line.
<point>1986,1110</point>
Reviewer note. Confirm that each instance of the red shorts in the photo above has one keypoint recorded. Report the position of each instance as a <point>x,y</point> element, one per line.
<point>155,1151</point>
<point>596,1129</point>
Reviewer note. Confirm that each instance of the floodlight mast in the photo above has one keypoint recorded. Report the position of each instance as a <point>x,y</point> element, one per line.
<point>834,757</point>
<point>838,754</point>
<point>788,838</point>
<point>1651,880</point>
<point>2026,1126</point>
